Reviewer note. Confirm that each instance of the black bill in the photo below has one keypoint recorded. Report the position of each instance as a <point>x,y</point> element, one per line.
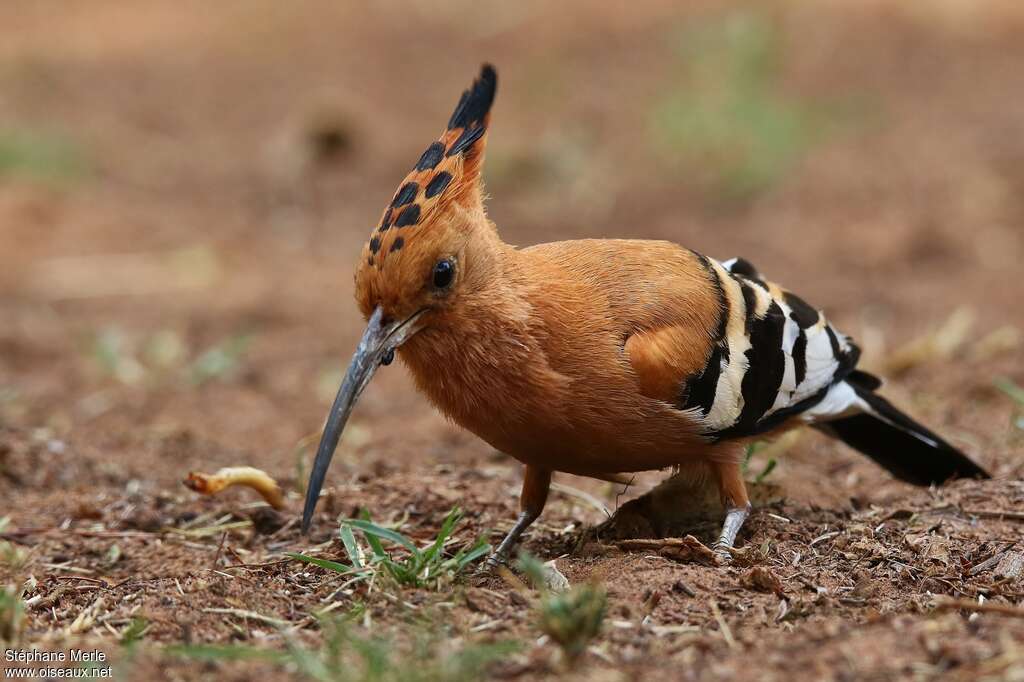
<point>377,347</point>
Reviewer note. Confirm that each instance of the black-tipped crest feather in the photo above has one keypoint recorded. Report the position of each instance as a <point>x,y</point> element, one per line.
<point>476,102</point>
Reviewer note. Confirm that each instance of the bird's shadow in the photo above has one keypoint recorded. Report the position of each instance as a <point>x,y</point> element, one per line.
<point>677,507</point>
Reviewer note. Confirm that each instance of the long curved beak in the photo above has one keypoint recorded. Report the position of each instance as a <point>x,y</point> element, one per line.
<point>375,348</point>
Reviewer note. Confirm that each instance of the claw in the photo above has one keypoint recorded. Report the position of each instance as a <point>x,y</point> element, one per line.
<point>723,552</point>
<point>495,561</point>
<point>490,567</point>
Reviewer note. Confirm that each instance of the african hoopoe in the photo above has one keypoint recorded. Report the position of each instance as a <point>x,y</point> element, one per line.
<point>599,357</point>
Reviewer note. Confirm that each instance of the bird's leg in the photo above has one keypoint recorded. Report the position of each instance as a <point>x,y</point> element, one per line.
<point>737,505</point>
<point>531,503</point>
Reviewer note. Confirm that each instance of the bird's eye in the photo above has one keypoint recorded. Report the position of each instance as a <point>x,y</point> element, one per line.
<point>444,273</point>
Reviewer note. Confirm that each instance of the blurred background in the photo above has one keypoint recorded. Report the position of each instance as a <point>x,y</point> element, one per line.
<point>185,186</point>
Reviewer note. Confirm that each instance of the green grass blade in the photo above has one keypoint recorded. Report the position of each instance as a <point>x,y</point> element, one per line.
<point>437,547</point>
<point>323,563</point>
<point>371,529</point>
<point>1011,389</point>
<point>351,546</point>
<point>768,469</point>
<point>372,540</point>
<point>403,572</point>
<point>376,657</point>
<point>479,549</point>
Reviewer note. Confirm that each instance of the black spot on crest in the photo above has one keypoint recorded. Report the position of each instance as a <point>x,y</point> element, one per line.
<point>385,223</point>
<point>406,194</point>
<point>431,157</point>
<point>397,244</point>
<point>375,245</point>
<point>438,184</point>
<point>410,215</point>
<point>466,140</point>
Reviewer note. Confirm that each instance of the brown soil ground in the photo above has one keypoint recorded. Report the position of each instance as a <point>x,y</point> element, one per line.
<point>231,158</point>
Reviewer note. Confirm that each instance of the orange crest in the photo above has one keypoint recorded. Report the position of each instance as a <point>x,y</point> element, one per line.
<point>446,174</point>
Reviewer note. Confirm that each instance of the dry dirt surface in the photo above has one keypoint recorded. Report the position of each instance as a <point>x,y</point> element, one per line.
<point>184,188</point>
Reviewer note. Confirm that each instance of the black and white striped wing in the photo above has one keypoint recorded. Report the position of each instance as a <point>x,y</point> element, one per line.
<point>777,357</point>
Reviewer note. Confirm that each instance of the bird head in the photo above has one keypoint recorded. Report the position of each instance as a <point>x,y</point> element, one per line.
<point>421,260</point>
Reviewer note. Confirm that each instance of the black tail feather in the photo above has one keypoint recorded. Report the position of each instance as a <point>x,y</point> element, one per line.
<point>908,450</point>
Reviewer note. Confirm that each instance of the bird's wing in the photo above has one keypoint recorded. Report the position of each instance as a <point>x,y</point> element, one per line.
<point>742,267</point>
<point>772,357</point>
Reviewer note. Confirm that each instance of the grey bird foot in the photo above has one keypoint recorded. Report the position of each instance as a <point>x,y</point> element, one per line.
<point>734,518</point>
<point>490,566</point>
<point>496,560</point>
<point>722,552</point>
<point>500,556</point>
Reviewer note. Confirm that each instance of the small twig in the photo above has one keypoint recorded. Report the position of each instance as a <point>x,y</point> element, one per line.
<point>649,544</point>
<point>987,607</point>
<point>687,549</point>
<point>625,489</point>
<point>230,575</point>
<point>21,532</point>
<point>807,583</point>
<point>663,630</point>
<point>220,547</point>
<point>234,554</point>
<point>50,599</point>
<point>1000,593</point>
<point>488,625</point>
<point>67,567</point>
<point>822,538</point>
<point>251,615</point>
<point>995,514</point>
<point>722,625</point>
<point>992,561</point>
<point>210,530</point>
<point>86,618</point>
<point>255,567</point>
<point>97,581</point>
<point>280,531</point>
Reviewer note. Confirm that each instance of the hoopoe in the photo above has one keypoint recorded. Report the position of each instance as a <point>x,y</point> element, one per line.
<point>599,357</point>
